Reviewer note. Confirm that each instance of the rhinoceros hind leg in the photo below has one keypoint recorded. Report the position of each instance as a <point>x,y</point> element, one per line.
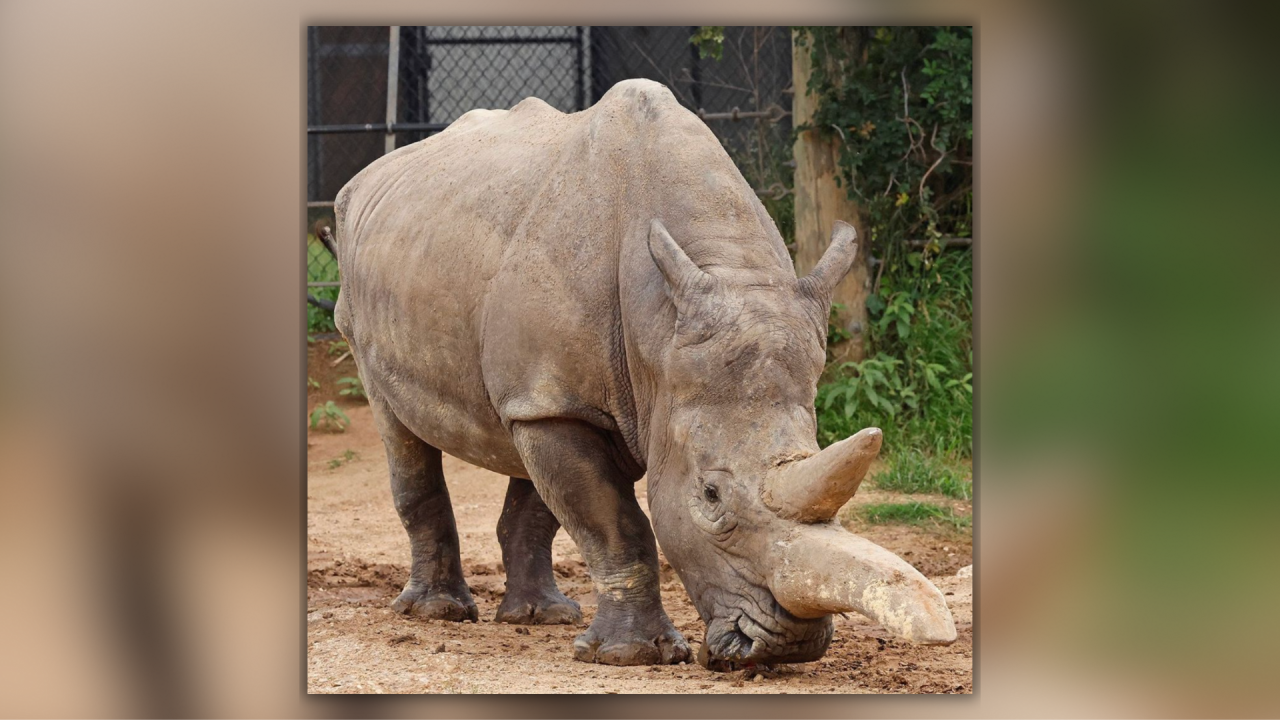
<point>421,602</point>
<point>582,474</point>
<point>525,532</point>
<point>436,588</point>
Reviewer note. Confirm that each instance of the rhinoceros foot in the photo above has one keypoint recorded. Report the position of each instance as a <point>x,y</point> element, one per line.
<point>437,605</point>
<point>543,608</point>
<point>661,645</point>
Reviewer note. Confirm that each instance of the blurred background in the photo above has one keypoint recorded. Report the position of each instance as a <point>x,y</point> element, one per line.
<point>153,184</point>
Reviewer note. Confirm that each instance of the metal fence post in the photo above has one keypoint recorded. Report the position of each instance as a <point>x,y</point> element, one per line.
<point>582,105</point>
<point>393,85</point>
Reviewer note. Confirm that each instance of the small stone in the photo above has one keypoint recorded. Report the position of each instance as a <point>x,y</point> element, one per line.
<point>440,648</point>
<point>965,572</point>
<point>327,615</point>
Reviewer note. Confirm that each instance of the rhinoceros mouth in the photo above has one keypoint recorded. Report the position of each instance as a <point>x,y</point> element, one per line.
<point>740,640</point>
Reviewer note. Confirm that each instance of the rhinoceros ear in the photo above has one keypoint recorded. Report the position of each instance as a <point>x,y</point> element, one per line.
<point>684,278</point>
<point>835,262</point>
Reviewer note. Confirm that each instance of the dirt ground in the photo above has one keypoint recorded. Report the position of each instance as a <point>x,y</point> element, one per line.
<point>358,558</point>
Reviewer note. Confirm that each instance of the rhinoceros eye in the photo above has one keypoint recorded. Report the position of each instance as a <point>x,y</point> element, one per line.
<point>711,493</point>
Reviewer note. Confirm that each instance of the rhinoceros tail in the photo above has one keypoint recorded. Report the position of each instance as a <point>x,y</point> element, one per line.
<point>326,238</point>
<point>322,303</point>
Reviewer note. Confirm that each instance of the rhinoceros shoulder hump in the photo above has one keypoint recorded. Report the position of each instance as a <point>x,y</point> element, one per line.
<point>642,99</point>
<point>475,118</point>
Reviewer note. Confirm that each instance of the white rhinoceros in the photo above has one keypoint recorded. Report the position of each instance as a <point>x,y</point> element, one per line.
<point>577,301</point>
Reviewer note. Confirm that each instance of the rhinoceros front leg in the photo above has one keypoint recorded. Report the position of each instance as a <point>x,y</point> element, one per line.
<point>575,469</point>
<point>525,532</point>
<point>436,588</point>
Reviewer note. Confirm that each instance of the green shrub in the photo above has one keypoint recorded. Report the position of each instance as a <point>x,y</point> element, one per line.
<point>354,387</point>
<point>329,417</point>
<point>898,103</point>
<point>918,384</point>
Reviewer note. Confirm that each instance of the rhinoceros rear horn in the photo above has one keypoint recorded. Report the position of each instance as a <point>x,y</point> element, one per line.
<point>684,277</point>
<point>812,490</point>
<point>835,262</point>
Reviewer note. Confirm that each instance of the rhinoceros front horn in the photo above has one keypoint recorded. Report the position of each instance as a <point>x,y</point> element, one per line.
<point>813,489</point>
<point>823,570</point>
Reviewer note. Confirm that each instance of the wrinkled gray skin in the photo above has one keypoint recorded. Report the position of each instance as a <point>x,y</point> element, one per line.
<point>576,301</point>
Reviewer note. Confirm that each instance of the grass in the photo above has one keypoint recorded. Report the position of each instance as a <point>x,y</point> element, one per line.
<point>915,513</point>
<point>914,471</point>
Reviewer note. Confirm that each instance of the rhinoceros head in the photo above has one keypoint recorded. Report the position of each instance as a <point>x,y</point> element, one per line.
<point>743,500</point>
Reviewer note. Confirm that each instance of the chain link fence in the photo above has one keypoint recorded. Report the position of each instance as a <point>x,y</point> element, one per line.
<point>373,89</point>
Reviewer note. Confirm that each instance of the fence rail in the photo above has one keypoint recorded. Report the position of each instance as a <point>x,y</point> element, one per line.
<point>376,127</point>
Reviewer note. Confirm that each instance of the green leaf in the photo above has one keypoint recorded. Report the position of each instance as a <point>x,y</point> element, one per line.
<point>873,395</point>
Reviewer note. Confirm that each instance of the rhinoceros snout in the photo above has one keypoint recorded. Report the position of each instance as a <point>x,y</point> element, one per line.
<point>741,642</point>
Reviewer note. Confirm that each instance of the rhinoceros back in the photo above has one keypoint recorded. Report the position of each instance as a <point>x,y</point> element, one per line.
<point>479,276</point>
